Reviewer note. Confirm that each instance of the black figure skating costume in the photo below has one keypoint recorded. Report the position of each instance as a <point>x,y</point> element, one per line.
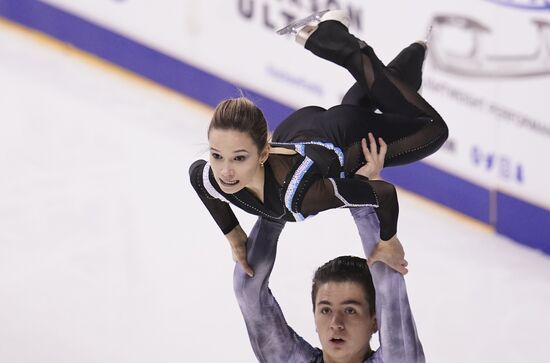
<point>327,142</point>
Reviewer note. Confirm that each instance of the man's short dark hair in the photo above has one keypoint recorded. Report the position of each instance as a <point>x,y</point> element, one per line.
<point>345,269</point>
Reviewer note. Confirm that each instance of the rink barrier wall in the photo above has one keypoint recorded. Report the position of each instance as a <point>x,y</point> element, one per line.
<point>522,221</point>
<point>444,188</point>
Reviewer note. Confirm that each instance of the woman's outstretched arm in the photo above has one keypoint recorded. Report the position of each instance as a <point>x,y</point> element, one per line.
<point>199,174</point>
<point>203,183</point>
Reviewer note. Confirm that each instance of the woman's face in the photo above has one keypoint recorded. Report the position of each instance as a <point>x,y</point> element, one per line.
<point>234,159</point>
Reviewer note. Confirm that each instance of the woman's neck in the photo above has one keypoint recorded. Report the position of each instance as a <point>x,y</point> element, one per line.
<point>256,186</point>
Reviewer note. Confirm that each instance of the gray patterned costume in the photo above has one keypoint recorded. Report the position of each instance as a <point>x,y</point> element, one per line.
<point>273,341</point>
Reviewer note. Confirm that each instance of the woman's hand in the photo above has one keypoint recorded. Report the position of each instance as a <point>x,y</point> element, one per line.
<point>374,158</point>
<point>391,253</point>
<point>237,240</point>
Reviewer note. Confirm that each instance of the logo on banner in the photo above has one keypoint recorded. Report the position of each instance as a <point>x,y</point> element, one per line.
<point>525,4</point>
<point>277,14</point>
<point>503,165</point>
<point>457,45</point>
<point>273,15</point>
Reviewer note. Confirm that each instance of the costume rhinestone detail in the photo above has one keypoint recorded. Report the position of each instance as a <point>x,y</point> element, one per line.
<point>293,185</point>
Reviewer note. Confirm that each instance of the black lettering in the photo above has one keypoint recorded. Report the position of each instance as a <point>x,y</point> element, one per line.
<point>355,16</point>
<point>289,18</point>
<point>267,21</point>
<point>246,8</point>
<point>314,6</point>
<point>332,4</point>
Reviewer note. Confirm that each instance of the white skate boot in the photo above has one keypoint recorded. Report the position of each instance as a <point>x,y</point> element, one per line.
<point>303,28</point>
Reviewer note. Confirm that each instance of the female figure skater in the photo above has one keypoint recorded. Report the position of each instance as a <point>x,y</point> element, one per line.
<point>319,159</point>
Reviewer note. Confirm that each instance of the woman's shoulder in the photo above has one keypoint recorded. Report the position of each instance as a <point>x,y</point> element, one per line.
<point>196,173</point>
<point>196,166</point>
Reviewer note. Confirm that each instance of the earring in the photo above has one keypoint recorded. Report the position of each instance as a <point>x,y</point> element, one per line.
<point>262,164</point>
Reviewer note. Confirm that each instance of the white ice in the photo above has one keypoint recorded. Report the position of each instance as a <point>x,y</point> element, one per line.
<point>106,254</point>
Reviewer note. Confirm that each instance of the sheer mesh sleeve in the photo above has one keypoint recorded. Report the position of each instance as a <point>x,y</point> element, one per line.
<point>393,96</point>
<point>399,340</point>
<point>357,192</point>
<point>220,210</point>
<point>272,339</point>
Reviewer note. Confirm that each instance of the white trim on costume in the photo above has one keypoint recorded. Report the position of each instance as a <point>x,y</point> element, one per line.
<point>208,186</point>
<point>343,200</point>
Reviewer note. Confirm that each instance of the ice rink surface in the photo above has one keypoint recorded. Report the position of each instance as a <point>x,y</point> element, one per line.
<point>106,254</point>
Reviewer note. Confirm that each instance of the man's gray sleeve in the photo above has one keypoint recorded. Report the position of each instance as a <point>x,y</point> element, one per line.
<point>399,342</point>
<point>272,340</point>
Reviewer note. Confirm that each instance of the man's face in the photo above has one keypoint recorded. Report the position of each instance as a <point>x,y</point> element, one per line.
<point>343,321</point>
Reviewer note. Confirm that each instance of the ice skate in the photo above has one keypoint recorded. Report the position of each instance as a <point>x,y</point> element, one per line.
<point>426,41</point>
<point>329,37</point>
<point>296,25</point>
<point>407,65</point>
<point>304,27</point>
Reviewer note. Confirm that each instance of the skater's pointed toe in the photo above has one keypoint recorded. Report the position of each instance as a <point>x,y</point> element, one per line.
<point>326,35</point>
<point>339,16</point>
<point>304,27</point>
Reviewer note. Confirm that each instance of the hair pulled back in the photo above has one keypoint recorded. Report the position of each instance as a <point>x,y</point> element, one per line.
<point>242,115</point>
<point>345,269</point>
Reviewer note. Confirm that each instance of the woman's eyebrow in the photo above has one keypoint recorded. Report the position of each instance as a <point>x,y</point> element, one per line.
<point>236,151</point>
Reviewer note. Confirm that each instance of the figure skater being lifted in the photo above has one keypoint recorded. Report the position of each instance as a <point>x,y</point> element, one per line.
<point>320,159</point>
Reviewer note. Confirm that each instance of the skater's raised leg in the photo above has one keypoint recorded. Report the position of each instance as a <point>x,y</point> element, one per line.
<point>407,66</point>
<point>332,41</point>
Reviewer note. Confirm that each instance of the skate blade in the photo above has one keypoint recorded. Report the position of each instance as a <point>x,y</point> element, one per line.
<point>293,27</point>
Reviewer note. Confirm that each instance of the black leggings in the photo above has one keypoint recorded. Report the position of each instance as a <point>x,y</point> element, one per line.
<point>407,123</point>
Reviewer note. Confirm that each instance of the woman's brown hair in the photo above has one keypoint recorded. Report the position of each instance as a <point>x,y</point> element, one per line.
<point>242,115</point>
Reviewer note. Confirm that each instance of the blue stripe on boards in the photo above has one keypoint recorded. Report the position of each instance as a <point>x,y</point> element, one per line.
<point>442,187</point>
<point>523,222</point>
